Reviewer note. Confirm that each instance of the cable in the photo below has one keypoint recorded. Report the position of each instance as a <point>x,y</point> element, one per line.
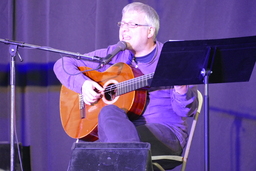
<point>80,72</point>
<point>18,148</point>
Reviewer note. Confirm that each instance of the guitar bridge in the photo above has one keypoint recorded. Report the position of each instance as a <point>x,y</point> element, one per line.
<point>81,106</point>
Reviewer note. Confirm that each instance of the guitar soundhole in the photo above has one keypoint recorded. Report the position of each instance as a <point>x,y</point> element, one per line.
<point>110,92</point>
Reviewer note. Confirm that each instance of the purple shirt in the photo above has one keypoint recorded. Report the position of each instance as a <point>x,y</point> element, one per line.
<point>164,105</point>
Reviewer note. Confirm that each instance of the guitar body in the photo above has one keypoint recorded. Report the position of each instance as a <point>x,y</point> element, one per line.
<point>85,128</point>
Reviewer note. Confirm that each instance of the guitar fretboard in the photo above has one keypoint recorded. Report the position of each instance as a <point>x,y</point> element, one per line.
<point>130,85</point>
<point>133,84</point>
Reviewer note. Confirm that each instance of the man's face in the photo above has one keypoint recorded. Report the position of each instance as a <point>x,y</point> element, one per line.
<point>137,37</point>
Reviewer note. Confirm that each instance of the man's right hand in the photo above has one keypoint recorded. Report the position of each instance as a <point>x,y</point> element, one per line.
<point>91,92</point>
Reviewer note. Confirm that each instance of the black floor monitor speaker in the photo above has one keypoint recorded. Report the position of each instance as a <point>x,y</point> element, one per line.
<point>95,156</point>
<point>24,152</point>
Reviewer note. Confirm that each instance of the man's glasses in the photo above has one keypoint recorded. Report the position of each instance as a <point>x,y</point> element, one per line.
<point>130,24</point>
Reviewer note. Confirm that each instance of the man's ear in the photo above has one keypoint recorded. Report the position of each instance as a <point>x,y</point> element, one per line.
<point>151,32</point>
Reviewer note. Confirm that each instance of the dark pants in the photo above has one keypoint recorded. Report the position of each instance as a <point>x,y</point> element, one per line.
<point>114,126</point>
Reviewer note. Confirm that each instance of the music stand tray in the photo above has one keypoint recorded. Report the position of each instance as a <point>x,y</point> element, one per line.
<point>182,62</point>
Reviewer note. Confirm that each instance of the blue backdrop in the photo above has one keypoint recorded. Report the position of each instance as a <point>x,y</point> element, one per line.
<point>82,26</point>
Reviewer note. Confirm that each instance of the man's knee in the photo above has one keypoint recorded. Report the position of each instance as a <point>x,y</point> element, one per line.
<point>111,111</point>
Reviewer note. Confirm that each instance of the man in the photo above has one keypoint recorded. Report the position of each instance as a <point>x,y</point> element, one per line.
<point>162,122</point>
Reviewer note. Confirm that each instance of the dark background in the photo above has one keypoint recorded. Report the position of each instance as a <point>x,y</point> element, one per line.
<point>82,26</point>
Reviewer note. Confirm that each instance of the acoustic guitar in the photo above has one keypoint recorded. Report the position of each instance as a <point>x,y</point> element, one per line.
<point>123,86</point>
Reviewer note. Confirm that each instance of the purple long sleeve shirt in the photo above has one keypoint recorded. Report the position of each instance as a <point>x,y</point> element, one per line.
<point>164,105</point>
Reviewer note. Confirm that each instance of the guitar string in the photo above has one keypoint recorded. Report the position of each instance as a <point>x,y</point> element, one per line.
<point>124,86</point>
<point>129,82</point>
<point>140,80</point>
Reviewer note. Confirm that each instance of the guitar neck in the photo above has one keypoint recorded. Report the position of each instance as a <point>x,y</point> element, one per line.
<point>133,84</point>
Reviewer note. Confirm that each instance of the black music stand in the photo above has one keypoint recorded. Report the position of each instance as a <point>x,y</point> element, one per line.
<point>204,62</point>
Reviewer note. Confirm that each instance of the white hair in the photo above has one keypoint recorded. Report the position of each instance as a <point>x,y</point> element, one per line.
<point>151,15</point>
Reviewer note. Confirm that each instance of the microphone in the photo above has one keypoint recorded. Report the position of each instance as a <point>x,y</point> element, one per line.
<point>120,46</point>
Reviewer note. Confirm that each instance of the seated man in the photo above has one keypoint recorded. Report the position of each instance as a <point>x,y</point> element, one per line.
<point>163,120</point>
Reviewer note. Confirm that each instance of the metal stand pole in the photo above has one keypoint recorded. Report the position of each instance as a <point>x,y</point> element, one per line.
<point>13,52</point>
<point>206,74</point>
<point>206,124</point>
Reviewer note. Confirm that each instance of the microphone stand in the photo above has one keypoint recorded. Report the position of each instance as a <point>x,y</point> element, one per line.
<point>13,51</point>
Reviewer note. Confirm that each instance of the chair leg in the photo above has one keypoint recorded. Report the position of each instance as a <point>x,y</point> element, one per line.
<point>183,168</point>
<point>158,166</point>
